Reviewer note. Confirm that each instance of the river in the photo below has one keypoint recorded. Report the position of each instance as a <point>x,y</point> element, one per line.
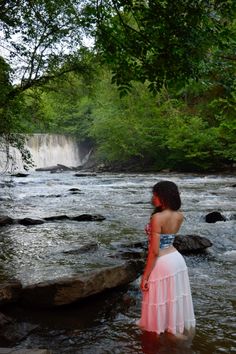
<point>107,324</point>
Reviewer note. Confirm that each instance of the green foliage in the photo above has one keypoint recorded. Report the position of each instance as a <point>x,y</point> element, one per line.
<point>161,130</point>
<point>163,41</point>
<point>193,130</point>
<point>41,40</point>
<point>182,51</point>
<point>225,112</point>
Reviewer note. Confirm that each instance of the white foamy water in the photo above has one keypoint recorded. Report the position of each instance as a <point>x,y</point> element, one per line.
<point>46,150</point>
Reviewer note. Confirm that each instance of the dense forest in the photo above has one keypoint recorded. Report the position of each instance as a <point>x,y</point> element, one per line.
<point>155,87</point>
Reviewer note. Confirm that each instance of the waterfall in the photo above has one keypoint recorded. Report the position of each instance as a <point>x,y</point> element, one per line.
<point>49,150</point>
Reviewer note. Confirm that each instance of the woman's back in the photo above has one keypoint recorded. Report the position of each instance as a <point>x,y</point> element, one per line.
<point>169,220</point>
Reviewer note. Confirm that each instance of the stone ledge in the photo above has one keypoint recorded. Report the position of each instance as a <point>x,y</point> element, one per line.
<point>24,351</point>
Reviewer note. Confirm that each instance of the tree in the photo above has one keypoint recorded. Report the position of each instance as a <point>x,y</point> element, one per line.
<point>40,40</point>
<point>162,41</point>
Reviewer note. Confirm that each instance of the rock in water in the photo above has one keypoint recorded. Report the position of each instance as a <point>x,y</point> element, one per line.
<point>29,221</point>
<point>68,290</point>
<point>57,217</point>
<point>12,332</point>
<point>191,243</point>
<point>214,216</point>
<point>85,174</point>
<point>19,174</point>
<point>10,292</point>
<point>6,220</point>
<point>88,217</point>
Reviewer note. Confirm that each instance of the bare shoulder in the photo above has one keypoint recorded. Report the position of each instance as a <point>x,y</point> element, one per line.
<point>158,218</point>
<point>180,215</point>
<point>167,214</point>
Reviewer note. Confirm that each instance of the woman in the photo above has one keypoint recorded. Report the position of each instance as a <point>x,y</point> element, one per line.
<point>167,301</point>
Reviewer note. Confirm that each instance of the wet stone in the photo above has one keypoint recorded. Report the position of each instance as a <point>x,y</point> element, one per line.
<point>10,292</point>
<point>191,243</point>
<point>93,246</point>
<point>68,290</point>
<point>29,221</point>
<point>88,217</point>
<point>24,351</point>
<point>57,217</point>
<point>6,220</point>
<point>20,175</point>
<point>214,217</point>
<point>85,174</point>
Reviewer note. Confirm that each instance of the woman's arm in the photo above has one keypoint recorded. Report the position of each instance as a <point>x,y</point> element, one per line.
<point>153,250</point>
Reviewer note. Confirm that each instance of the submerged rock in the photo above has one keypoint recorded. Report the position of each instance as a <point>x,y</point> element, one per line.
<point>214,216</point>
<point>6,220</point>
<point>57,217</point>
<point>88,217</point>
<point>85,174</point>
<point>89,247</point>
<point>12,332</point>
<point>29,221</point>
<point>19,174</point>
<point>68,290</point>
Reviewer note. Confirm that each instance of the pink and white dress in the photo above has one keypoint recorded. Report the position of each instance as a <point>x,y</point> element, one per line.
<point>167,305</point>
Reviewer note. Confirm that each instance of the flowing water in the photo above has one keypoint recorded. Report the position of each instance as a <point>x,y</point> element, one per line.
<point>107,324</point>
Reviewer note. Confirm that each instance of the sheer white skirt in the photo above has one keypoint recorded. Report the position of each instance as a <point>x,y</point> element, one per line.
<point>167,305</point>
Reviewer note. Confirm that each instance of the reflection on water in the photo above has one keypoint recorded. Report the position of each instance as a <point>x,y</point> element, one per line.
<point>107,324</point>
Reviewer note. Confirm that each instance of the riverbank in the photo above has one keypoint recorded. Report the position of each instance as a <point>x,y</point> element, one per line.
<point>138,165</point>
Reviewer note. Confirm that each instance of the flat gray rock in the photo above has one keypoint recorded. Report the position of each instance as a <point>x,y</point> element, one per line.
<point>24,351</point>
<point>68,290</point>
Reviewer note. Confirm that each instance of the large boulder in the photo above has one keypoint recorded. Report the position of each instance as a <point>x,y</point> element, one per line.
<point>68,290</point>
<point>191,243</point>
